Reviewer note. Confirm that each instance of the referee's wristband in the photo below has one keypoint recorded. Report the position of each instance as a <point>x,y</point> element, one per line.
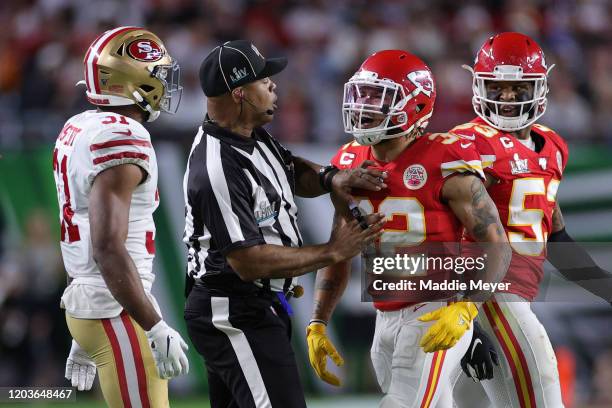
<point>323,322</point>
<point>326,174</point>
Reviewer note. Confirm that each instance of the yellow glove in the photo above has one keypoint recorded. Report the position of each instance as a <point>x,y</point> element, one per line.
<point>319,347</point>
<point>452,322</point>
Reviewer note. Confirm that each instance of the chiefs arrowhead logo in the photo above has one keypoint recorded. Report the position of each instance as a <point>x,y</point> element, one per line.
<point>145,50</point>
<point>423,81</point>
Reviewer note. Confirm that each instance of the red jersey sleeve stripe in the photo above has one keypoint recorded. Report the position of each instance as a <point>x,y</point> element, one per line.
<point>119,156</point>
<point>121,142</point>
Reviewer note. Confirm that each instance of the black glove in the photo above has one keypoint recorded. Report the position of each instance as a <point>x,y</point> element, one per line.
<point>477,363</point>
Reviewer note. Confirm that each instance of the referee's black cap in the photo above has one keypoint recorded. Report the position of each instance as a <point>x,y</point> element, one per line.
<point>236,63</point>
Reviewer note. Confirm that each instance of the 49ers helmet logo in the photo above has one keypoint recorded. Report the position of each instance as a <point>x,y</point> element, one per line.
<point>145,50</point>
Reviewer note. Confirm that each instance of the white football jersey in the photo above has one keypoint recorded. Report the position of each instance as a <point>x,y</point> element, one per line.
<point>89,143</point>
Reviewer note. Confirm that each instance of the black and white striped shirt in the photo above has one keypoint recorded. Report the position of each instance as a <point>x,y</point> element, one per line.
<point>239,192</point>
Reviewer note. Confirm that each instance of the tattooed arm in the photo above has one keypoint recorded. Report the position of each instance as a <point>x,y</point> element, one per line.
<point>330,284</point>
<point>470,202</point>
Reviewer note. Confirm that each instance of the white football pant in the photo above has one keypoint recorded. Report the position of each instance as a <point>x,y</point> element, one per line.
<point>527,375</point>
<point>409,377</point>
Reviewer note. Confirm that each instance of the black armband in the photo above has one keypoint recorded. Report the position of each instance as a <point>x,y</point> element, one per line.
<point>577,266</point>
<point>560,236</point>
<point>565,254</point>
<point>326,174</point>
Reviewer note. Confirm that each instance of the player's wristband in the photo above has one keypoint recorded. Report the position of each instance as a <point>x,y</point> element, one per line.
<point>326,174</point>
<point>323,322</point>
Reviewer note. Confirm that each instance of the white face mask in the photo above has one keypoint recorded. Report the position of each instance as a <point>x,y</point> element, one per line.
<point>489,110</point>
<point>372,109</point>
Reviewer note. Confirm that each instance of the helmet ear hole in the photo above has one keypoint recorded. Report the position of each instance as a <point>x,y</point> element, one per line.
<point>146,88</point>
<point>420,107</point>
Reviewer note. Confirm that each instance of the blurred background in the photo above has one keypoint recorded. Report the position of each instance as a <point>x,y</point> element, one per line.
<point>42,44</point>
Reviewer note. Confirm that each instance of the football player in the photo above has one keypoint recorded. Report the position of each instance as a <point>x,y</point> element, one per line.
<point>434,190</point>
<point>106,175</point>
<point>524,163</point>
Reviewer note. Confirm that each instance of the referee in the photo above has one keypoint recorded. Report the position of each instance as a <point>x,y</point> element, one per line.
<point>244,245</point>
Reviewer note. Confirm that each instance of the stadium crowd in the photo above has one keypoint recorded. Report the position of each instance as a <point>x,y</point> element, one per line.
<point>43,42</point>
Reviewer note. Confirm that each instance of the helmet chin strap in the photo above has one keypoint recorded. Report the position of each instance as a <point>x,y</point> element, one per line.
<point>153,114</point>
<point>506,122</point>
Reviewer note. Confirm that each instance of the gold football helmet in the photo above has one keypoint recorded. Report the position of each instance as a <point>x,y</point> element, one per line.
<point>130,65</point>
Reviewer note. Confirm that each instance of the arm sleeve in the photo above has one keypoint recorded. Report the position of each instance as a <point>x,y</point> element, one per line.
<point>222,191</point>
<point>116,146</point>
<point>577,266</point>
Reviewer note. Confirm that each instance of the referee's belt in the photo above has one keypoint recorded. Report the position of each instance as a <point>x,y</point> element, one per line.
<point>244,290</point>
<point>240,288</point>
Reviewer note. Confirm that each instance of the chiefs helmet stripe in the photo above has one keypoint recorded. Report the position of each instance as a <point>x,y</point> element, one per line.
<point>93,55</point>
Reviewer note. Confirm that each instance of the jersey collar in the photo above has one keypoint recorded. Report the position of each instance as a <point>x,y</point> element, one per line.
<point>244,143</point>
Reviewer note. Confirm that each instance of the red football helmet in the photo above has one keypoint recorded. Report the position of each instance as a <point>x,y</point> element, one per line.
<point>391,95</point>
<point>510,57</point>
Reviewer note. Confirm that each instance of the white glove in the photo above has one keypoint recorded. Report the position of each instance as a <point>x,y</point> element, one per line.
<point>168,350</point>
<point>80,368</point>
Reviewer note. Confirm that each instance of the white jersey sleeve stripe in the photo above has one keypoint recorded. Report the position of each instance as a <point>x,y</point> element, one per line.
<point>462,166</point>
<point>487,160</point>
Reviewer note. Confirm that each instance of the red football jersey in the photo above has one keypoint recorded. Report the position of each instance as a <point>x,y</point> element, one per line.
<point>525,192</point>
<point>412,201</point>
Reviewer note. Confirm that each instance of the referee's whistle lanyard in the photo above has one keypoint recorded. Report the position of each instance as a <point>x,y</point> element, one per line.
<point>284,303</point>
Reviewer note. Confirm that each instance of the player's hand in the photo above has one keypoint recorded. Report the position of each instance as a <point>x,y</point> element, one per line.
<point>452,322</point>
<point>168,349</point>
<point>362,177</point>
<point>349,238</point>
<point>80,368</point>
<point>319,348</point>
<point>477,363</point>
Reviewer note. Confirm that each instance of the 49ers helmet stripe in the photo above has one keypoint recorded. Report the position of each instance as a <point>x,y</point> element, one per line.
<point>87,80</point>
<point>91,72</point>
